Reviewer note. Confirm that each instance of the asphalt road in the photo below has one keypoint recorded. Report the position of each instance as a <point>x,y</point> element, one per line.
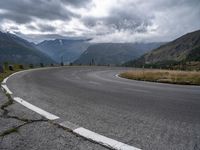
<point>22,129</point>
<point>142,114</point>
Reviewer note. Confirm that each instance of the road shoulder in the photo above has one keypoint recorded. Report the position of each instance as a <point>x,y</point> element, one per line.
<point>21,129</point>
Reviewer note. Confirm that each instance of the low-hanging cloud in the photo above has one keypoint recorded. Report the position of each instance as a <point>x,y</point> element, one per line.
<point>130,19</point>
<point>104,21</point>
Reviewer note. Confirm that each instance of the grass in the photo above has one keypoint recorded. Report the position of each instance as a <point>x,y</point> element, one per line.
<point>8,103</point>
<point>6,73</point>
<point>164,76</point>
<point>9,131</point>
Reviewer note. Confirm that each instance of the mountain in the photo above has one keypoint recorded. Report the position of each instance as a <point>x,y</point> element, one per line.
<point>14,49</point>
<point>64,49</point>
<point>183,50</point>
<point>114,53</point>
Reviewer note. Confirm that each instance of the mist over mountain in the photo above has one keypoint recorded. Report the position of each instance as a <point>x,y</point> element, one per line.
<point>67,50</point>
<point>114,53</point>
<point>14,49</point>
<point>182,50</point>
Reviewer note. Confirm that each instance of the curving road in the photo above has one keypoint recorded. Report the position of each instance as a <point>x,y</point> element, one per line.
<point>143,114</point>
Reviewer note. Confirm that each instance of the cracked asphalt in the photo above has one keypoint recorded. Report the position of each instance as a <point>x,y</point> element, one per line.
<point>22,129</point>
<point>146,115</point>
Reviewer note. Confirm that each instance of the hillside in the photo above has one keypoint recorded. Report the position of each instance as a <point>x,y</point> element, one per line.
<point>65,49</point>
<point>17,50</point>
<point>114,53</point>
<point>183,50</point>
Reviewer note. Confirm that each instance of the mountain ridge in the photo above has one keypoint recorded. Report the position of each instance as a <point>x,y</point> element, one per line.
<point>113,53</point>
<point>14,49</point>
<point>180,50</point>
<point>66,50</point>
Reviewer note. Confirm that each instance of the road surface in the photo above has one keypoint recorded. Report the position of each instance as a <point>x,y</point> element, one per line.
<point>142,114</point>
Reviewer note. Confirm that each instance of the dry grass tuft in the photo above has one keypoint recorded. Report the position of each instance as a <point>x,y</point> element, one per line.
<point>165,76</point>
<point>6,74</point>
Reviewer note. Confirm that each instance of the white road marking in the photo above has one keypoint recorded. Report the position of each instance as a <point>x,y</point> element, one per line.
<point>5,80</point>
<point>69,125</point>
<point>117,75</point>
<point>36,109</point>
<point>6,89</point>
<point>103,140</point>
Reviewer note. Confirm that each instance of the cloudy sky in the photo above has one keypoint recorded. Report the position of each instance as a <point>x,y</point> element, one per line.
<point>102,20</point>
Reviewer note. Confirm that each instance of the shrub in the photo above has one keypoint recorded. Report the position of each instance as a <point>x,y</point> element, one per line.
<point>41,65</point>
<point>31,66</point>
<point>1,69</point>
<point>6,65</point>
<point>21,67</point>
<point>11,68</point>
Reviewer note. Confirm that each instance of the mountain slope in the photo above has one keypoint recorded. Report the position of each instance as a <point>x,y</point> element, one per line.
<point>65,49</point>
<point>114,53</point>
<point>183,49</point>
<point>17,50</point>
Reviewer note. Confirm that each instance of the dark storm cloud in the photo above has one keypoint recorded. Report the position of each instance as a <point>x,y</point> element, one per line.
<point>41,27</point>
<point>14,28</point>
<point>23,11</point>
<point>31,27</point>
<point>48,28</point>
<point>166,19</point>
<point>16,17</point>
<point>45,28</point>
<point>131,19</point>
<point>77,3</point>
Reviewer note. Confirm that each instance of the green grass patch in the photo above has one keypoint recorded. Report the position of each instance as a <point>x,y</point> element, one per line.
<point>9,131</point>
<point>6,73</point>
<point>8,103</point>
<point>164,76</point>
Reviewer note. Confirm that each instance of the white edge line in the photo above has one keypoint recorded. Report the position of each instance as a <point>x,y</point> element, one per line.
<point>36,109</point>
<point>117,75</point>
<point>103,140</point>
<point>6,89</point>
<point>5,80</point>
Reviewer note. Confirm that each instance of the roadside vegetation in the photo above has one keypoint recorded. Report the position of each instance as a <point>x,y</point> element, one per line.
<point>7,69</point>
<point>164,76</point>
